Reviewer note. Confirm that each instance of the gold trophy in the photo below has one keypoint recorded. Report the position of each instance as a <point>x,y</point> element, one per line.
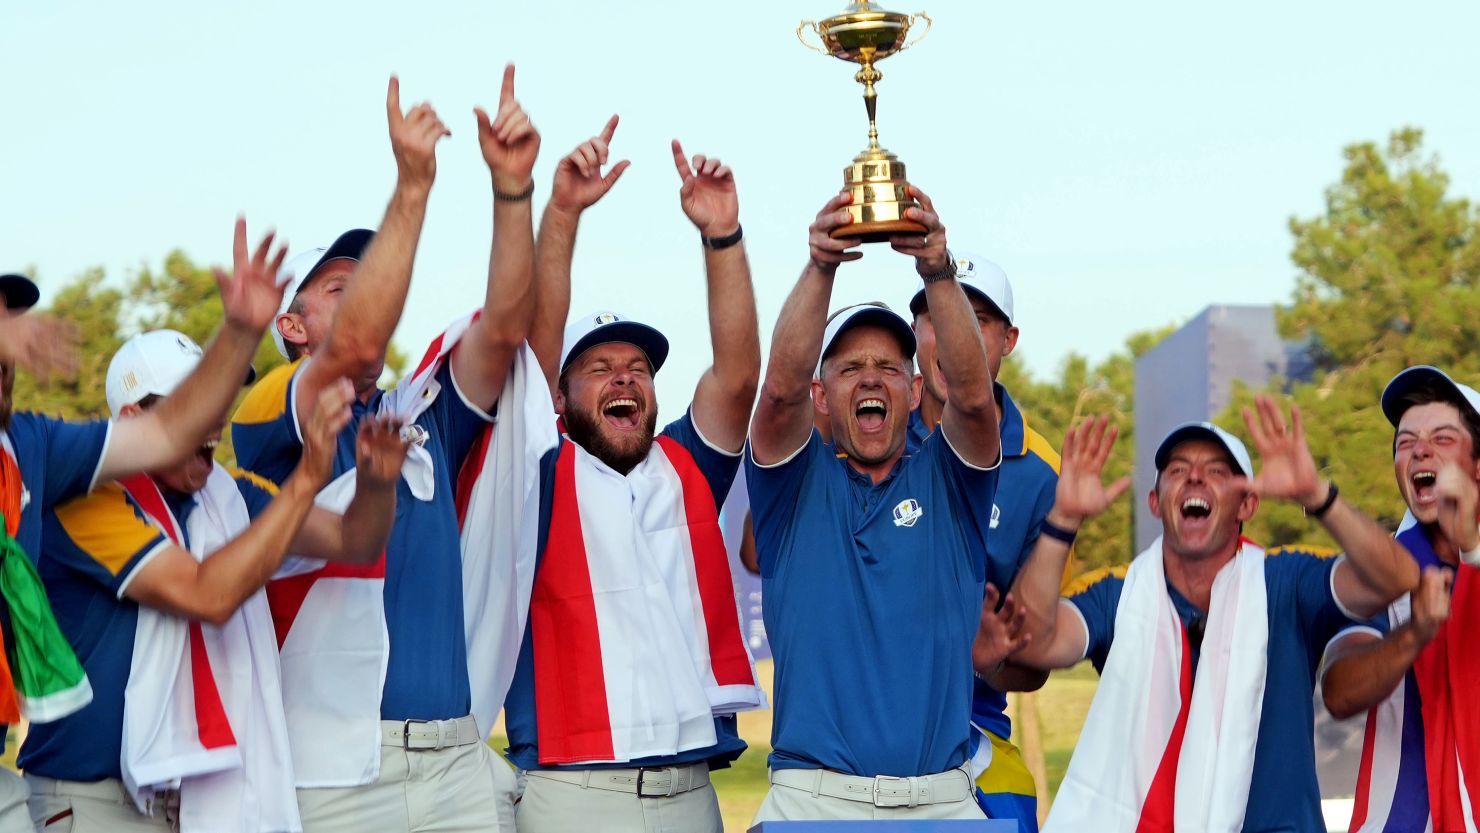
<point>866,34</point>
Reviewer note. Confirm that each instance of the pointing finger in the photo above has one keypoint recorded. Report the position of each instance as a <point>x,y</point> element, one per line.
<point>680,162</point>
<point>610,129</point>
<point>506,93</point>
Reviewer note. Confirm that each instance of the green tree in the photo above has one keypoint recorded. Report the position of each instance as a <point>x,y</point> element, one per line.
<point>1389,277</point>
<point>1084,389</point>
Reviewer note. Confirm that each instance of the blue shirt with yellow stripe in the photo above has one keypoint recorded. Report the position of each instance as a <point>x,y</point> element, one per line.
<point>1304,617</point>
<point>93,547</point>
<point>1025,494</point>
<point>427,673</point>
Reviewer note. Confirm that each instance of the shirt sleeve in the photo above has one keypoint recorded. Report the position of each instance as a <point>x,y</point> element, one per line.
<point>104,537</point>
<point>1309,577</point>
<point>718,467</point>
<point>74,453</point>
<point>264,430</point>
<point>257,491</point>
<point>775,492</point>
<point>1096,598</point>
<point>456,420</point>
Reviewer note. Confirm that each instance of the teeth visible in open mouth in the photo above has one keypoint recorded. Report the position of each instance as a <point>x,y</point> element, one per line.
<point>211,445</point>
<point>1196,506</point>
<point>874,404</point>
<point>620,403</point>
<point>1424,478</point>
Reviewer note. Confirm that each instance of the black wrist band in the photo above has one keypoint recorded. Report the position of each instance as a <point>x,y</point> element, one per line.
<point>716,243</point>
<point>1058,533</point>
<point>519,197</point>
<point>1325,505</point>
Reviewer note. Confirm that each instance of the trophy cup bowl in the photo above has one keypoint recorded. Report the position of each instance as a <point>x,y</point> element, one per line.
<point>865,34</point>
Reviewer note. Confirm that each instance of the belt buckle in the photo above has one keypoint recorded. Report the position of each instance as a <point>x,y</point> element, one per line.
<point>642,771</point>
<point>406,732</point>
<point>892,798</point>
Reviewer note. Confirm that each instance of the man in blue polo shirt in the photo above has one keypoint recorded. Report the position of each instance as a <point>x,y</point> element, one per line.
<point>1025,491</point>
<point>429,765</point>
<point>633,663</point>
<point>46,461</point>
<point>178,543</point>
<point>1207,646</point>
<point>873,558</point>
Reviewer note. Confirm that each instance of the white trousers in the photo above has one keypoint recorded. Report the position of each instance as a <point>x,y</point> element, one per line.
<point>557,807</point>
<point>461,788</point>
<point>14,816</point>
<point>92,807</point>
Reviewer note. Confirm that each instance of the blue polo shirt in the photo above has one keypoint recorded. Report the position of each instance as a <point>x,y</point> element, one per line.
<point>58,461</point>
<point>427,677</point>
<point>1026,482</point>
<point>93,547</point>
<point>873,594</point>
<point>521,718</point>
<point>1303,618</point>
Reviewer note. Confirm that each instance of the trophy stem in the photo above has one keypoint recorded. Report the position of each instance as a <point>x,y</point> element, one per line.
<point>867,77</point>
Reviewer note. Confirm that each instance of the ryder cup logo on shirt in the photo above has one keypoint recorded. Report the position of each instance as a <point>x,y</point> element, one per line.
<point>907,512</point>
<point>996,515</point>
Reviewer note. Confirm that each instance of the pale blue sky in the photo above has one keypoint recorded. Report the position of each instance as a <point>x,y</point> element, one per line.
<point>1126,163</point>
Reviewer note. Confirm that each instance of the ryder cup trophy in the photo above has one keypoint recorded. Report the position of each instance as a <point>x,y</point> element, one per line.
<point>866,34</point>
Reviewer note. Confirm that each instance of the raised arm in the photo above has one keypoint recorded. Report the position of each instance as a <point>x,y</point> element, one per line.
<point>213,589</point>
<point>1362,670</point>
<point>783,416</point>
<point>970,418</point>
<point>1081,494</point>
<point>1377,568</point>
<point>726,391</point>
<point>360,534</point>
<point>579,184</point>
<point>373,299</point>
<point>176,426</point>
<point>510,144</point>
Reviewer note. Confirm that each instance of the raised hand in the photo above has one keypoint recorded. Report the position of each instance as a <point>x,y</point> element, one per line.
<point>579,182</point>
<point>707,194</point>
<point>928,249</point>
<point>1286,468</point>
<point>1082,492</point>
<point>331,412</point>
<point>826,251</point>
<point>509,141</point>
<point>414,138</point>
<point>250,294</point>
<point>1000,634</point>
<point>380,450</point>
<point>1458,499</point>
<point>41,344</point>
<point>1430,602</point>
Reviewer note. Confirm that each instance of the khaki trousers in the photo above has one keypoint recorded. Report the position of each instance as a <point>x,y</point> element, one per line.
<point>557,807</point>
<point>92,807</point>
<point>461,788</point>
<point>784,803</point>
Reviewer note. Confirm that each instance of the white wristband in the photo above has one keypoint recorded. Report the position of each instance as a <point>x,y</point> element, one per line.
<point>1471,557</point>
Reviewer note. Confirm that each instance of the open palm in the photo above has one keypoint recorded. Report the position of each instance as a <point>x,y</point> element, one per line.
<point>250,294</point>
<point>1286,468</point>
<point>1082,492</point>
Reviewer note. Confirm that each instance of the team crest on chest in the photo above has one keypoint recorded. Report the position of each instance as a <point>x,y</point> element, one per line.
<point>996,515</point>
<point>907,512</point>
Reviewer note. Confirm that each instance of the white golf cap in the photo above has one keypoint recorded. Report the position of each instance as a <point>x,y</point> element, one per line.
<point>859,315</point>
<point>606,327</point>
<point>1421,376</point>
<point>980,277</point>
<point>348,246</point>
<point>1205,431</point>
<point>152,364</point>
